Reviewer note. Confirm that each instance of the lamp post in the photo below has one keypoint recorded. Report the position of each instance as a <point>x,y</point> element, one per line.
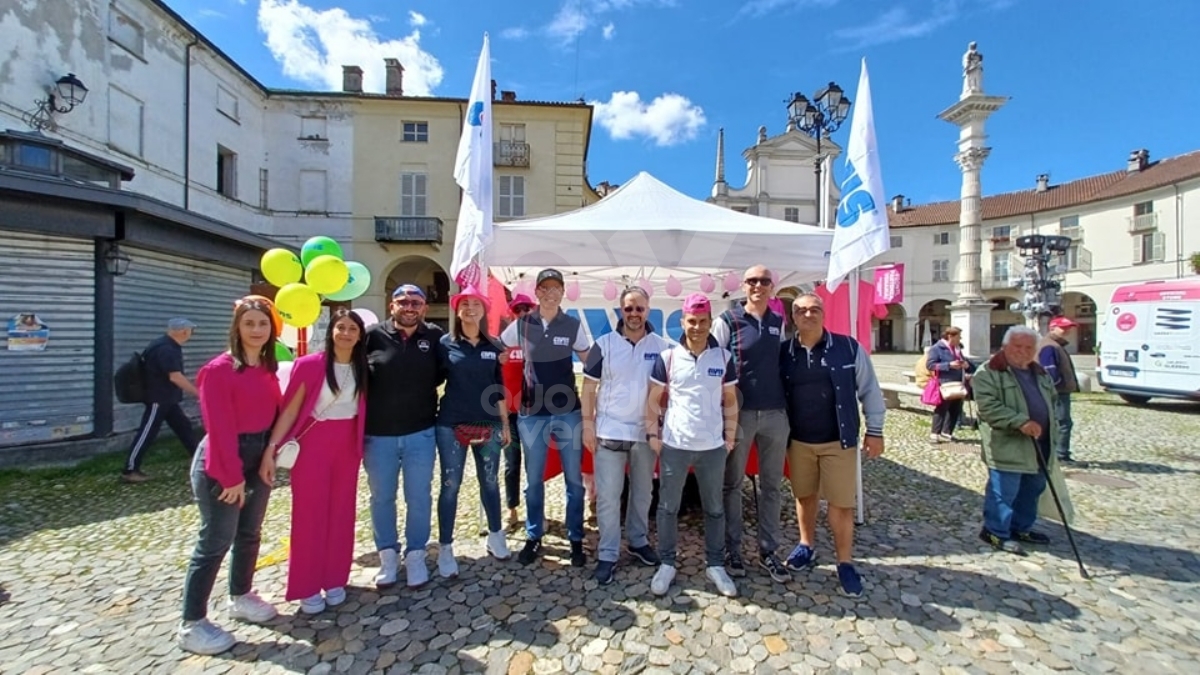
<point>1042,281</point>
<point>67,93</point>
<point>820,117</point>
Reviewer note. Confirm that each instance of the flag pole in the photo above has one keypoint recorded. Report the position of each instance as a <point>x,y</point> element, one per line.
<point>860,517</point>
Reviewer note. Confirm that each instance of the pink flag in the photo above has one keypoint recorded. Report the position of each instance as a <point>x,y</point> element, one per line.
<point>889,284</point>
<point>837,310</point>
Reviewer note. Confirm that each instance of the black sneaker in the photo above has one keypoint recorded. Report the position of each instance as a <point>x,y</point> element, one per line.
<point>533,548</point>
<point>734,564</point>
<point>771,564</point>
<point>604,572</point>
<point>1031,537</point>
<point>1006,545</point>
<point>645,555</point>
<point>578,557</point>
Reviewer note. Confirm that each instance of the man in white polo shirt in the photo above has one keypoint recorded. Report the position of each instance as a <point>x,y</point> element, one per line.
<point>699,428</point>
<point>616,381</point>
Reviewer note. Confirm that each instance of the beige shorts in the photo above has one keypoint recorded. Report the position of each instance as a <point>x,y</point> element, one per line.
<point>825,466</point>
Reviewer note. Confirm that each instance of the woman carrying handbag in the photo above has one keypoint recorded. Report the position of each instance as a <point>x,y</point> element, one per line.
<point>324,411</point>
<point>953,369</point>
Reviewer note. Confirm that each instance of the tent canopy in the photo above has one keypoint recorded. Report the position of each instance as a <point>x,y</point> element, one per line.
<point>646,229</point>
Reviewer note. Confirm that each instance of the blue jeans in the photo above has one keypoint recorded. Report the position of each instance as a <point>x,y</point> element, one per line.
<point>1010,501</point>
<point>384,457</point>
<point>1062,411</point>
<point>224,526</point>
<point>536,432</point>
<point>453,458</point>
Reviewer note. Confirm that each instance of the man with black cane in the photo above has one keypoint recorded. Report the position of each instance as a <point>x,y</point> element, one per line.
<point>1015,398</point>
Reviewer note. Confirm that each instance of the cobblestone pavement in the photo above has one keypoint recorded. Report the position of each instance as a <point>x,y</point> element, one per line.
<point>90,576</point>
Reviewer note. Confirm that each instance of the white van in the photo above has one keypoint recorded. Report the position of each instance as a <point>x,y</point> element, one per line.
<point>1150,341</point>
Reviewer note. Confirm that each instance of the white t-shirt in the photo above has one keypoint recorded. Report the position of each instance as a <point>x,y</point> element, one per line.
<point>345,405</point>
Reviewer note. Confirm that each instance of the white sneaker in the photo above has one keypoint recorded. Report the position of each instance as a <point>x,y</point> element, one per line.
<point>203,637</point>
<point>935,438</point>
<point>335,596</point>
<point>388,562</point>
<point>250,607</point>
<point>497,546</point>
<point>661,583</point>
<point>447,565</point>
<point>313,604</point>
<point>414,565</point>
<point>720,577</point>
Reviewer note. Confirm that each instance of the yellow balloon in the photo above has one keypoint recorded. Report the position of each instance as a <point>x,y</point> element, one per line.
<point>298,305</point>
<point>326,274</point>
<point>281,267</point>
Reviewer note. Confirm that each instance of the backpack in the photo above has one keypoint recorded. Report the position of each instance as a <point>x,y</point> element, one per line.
<point>130,380</point>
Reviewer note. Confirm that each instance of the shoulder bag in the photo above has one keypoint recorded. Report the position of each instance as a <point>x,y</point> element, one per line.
<point>287,454</point>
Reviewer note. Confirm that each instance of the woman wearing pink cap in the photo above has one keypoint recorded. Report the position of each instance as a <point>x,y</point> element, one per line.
<point>473,413</point>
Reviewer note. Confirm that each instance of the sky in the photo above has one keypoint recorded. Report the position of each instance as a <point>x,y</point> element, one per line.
<point>1089,80</point>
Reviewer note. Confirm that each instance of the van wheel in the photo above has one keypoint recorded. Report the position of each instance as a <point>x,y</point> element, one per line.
<point>1135,400</point>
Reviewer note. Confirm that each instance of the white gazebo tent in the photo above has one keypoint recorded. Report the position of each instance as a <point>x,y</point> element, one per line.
<point>647,230</point>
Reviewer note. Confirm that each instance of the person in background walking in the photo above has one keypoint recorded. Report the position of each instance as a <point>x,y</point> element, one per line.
<point>753,333</point>
<point>696,433</point>
<point>513,370</point>
<point>1053,356</point>
<point>549,338</point>
<point>325,408</point>
<point>947,362</point>
<point>827,377</point>
<point>616,383</point>
<point>406,370</point>
<point>473,413</point>
<point>1015,398</point>
<point>239,399</point>
<point>165,386</point>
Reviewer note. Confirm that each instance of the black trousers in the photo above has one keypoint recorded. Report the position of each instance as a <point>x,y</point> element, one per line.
<point>945,416</point>
<point>152,419</point>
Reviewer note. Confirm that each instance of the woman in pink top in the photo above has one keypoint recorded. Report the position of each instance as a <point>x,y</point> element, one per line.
<point>239,399</point>
<point>325,408</point>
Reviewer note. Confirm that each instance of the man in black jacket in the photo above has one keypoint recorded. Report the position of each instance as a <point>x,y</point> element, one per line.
<point>406,370</point>
<point>165,385</point>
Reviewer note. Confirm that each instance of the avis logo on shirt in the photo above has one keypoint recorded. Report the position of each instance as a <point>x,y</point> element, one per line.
<point>773,330</point>
<point>562,341</point>
<point>716,372</point>
<point>488,356</point>
<point>651,357</point>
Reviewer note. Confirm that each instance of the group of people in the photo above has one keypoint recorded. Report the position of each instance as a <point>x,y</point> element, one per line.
<point>735,384</point>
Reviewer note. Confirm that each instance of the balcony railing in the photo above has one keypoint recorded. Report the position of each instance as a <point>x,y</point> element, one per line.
<point>992,281</point>
<point>408,229</point>
<point>1000,243</point>
<point>510,153</point>
<point>1143,222</point>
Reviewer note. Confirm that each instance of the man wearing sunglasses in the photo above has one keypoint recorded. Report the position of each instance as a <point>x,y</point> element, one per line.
<point>406,370</point>
<point>616,383</point>
<point>753,333</point>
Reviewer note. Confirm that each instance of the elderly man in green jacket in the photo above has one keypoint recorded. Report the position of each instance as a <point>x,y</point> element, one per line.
<point>1015,398</point>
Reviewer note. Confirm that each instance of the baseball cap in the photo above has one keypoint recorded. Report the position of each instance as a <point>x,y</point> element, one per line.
<point>697,303</point>
<point>408,289</point>
<point>520,299</point>
<point>1062,322</point>
<point>179,323</point>
<point>549,274</point>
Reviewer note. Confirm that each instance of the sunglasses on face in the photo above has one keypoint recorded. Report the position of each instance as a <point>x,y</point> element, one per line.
<point>757,281</point>
<point>634,309</point>
<point>522,309</point>
<point>416,304</point>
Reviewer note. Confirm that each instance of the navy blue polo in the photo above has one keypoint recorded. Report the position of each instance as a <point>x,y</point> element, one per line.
<point>754,344</point>
<point>474,384</point>
<point>549,348</point>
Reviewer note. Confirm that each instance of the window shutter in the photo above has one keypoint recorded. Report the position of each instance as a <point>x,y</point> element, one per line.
<point>1158,246</point>
<point>1085,261</point>
<point>1137,248</point>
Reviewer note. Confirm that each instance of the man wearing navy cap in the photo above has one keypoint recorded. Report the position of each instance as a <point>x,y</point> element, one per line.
<point>165,385</point>
<point>406,370</point>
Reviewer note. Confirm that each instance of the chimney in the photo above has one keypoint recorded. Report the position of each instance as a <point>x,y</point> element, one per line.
<point>508,96</point>
<point>897,203</point>
<point>1043,182</point>
<point>1138,161</point>
<point>395,77</point>
<point>352,79</point>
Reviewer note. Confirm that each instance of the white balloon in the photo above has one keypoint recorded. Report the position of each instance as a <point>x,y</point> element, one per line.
<point>368,317</point>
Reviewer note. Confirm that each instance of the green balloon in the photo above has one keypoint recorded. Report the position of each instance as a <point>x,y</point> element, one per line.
<point>318,246</point>
<point>359,282</point>
<point>282,353</point>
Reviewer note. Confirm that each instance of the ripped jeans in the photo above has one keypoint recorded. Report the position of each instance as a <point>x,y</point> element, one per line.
<point>452,456</point>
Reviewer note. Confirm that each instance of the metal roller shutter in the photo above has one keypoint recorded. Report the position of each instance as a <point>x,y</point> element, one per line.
<point>160,286</point>
<point>47,395</point>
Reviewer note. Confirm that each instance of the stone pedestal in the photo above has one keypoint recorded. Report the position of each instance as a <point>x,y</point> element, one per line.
<point>975,320</point>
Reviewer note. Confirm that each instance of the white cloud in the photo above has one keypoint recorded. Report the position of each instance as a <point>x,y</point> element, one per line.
<point>610,30</point>
<point>576,16</point>
<point>207,13</point>
<point>669,119</point>
<point>515,33</point>
<point>895,24</point>
<point>569,22</point>
<point>312,46</point>
<point>416,19</point>
<point>757,8</point>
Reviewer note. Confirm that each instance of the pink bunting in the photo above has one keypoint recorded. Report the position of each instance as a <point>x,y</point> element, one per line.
<point>610,290</point>
<point>674,288</point>
<point>573,290</point>
<point>732,281</point>
<point>707,283</point>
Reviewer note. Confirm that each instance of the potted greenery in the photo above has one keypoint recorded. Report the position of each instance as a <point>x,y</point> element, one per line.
<point>1196,263</point>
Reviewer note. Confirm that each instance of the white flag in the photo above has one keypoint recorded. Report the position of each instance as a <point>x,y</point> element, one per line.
<point>862,225</point>
<point>473,173</point>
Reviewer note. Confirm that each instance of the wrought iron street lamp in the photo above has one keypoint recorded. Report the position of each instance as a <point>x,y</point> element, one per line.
<point>68,92</point>
<point>1041,280</point>
<point>820,117</point>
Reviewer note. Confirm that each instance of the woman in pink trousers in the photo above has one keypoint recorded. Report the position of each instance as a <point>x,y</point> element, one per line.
<point>324,407</point>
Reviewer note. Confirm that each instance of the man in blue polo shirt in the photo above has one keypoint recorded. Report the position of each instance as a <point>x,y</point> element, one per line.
<point>697,433</point>
<point>549,338</point>
<point>753,333</point>
<point>165,385</point>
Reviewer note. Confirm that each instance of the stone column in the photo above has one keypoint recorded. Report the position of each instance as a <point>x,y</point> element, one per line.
<point>970,217</point>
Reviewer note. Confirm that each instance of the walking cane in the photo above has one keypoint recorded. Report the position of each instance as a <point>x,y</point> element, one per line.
<point>1063,516</point>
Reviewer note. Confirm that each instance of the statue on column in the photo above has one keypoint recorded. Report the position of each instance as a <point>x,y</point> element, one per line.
<point>972,71</point>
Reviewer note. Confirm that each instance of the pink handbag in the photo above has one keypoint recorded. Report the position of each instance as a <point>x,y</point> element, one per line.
<point>933,393</point>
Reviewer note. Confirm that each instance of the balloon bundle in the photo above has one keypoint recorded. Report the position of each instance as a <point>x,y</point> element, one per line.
<point>319,271</point>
